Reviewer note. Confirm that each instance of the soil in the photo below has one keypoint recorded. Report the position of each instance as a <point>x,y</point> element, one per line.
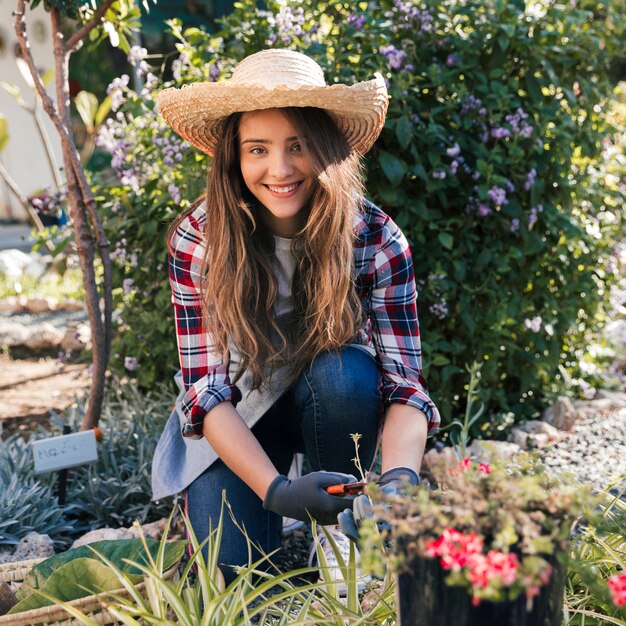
<point>30,388</point>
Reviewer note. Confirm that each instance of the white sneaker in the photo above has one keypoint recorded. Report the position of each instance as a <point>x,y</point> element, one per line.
<point>295,471</point>
<point>332,573</point>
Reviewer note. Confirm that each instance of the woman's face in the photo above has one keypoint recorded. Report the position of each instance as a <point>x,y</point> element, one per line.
<point>275,169</point>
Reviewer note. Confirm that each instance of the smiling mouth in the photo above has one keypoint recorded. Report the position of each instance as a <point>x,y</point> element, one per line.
<point>283,189</point>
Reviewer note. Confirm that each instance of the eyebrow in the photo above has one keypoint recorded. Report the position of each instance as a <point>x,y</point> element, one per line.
<point>265,141</point>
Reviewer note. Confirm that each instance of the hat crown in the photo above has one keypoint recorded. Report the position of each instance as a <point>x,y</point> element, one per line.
<point>272,68</point>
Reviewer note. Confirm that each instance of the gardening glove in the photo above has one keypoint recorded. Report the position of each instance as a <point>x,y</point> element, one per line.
<point>306,497</point>
<point>392,482</point>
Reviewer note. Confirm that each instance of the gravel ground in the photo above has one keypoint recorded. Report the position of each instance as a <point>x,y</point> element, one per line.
<point>595,450</point>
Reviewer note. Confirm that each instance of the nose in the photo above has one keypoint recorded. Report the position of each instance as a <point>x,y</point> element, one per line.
<point>281,165</point>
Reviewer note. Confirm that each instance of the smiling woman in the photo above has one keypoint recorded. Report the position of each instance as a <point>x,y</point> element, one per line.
<point>276,169</point>
<point>295,306</point>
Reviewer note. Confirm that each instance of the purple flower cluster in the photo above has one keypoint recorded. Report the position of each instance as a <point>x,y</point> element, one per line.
<point>409,17</point>
<point>440,308</point>
<point>172,148</point>
<point>215,71</point>
<point>438,174</point>
<point>515,223</point>
<point>518,123</point>
<point>174,192</point>
<point>530,179</point>
<point>534,215</point>
<point>472,103</point>
<point>394,57</point>
<point>289,26</point>
<point>179,65</point>
<point>117,89</point>
<point>127,285</point>
<point>498,196</point>
<point>356,21</point>
<point>137,58</point>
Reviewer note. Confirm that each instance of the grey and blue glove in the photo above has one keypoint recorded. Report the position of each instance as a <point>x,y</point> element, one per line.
<point>392,482</point>
<point>306,497</point>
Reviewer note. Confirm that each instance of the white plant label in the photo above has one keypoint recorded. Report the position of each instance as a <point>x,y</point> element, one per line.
<point>65,451</point>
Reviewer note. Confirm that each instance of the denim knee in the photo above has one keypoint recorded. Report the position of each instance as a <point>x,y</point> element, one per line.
<point>338,395</point>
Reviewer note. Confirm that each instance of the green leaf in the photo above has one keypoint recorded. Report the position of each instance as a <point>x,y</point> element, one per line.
<point>47,76</point>
<point>404,131</point>
<point>116,551</point>
<point>4,132</point>
<point>446,240</point>
<point>87,106</point>
<point>103,110</point>
<point>393,168</point>
<point>439,360</point>
<point>73,580</point>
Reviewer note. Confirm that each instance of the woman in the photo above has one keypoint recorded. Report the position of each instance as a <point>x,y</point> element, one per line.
<point>295,306</point>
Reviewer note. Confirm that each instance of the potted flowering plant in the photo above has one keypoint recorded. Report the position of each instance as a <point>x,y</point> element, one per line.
<point>487,546</point>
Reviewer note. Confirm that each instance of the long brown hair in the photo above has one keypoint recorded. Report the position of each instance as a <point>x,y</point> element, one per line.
<point>239,288</point>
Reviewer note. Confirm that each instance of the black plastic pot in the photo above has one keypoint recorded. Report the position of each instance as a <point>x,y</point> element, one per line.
<point>425,600</point>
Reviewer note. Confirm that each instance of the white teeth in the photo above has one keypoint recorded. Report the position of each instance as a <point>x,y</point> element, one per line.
<point>283,189</point>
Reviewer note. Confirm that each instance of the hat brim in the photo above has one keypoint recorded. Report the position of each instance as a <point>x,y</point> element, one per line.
<point>195,111</point>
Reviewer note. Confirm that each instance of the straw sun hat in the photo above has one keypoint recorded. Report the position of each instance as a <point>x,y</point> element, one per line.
<point>275,79</point>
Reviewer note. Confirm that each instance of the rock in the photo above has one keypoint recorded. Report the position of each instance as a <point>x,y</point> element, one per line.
<point>104,533</point>
<point>7,598</point>
<point>528,441</point>
<point>10,305</point>
<point>32,546</point>
<point>154,530</point>
<point>562,414</point>
<point>487,450</point>
<point>434,457</point>
<point>44,337</point>
<point>41,305</point>
<point>13,262</point>
<point>589,408</point>
<point>533,434</point>
<point>12,334</point>
<point>616,398</point>
<point>72,305</point>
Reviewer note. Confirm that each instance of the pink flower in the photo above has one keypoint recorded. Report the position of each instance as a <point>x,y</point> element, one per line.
<point>454,548</point>
<point>617,587</point>
<point>483,569</point>
<point>465,464</point>
<point>484,468</point>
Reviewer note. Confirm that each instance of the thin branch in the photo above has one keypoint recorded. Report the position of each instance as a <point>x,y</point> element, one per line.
<point>46,100</point>
<point>47,144</point>
<point>84,30</point>
<point>23,200</point>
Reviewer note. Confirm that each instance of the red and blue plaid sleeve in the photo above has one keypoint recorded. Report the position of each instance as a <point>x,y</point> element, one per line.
<point>205,374</point>
<point>395,327</point>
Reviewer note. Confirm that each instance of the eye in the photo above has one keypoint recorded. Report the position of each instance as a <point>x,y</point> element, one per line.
<point>257,150</point>
<point>296,147</point>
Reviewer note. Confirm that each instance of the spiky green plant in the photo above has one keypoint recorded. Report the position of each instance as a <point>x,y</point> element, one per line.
<point>259,594</point>
<point>598,552</point>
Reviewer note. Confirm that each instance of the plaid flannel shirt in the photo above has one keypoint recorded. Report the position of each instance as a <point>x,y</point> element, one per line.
<point>384,281</point>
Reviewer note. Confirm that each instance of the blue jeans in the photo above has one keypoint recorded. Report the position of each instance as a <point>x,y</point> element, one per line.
<point>337,395</point>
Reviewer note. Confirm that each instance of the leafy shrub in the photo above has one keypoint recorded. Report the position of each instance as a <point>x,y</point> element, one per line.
<point>490,160</point>
<point>114,491</point>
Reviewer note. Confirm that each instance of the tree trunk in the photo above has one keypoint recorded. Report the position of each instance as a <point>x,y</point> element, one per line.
<point>80,198</point>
